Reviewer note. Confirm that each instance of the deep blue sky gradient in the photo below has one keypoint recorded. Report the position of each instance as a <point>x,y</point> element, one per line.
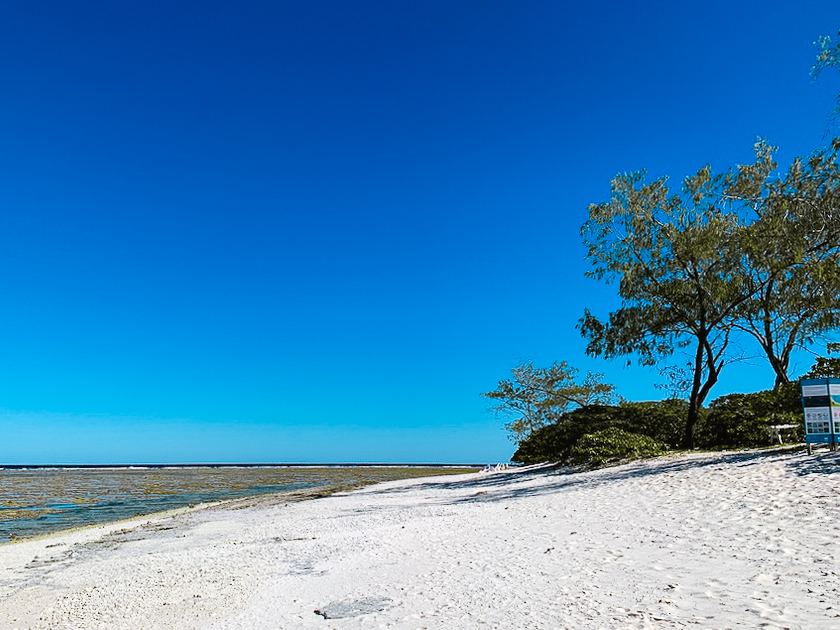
<point>317,231</point>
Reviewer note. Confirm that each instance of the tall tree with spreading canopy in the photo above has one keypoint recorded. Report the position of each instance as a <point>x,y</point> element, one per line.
<point>536,397</point>
<point>676,259</point>
<point>790,246</point>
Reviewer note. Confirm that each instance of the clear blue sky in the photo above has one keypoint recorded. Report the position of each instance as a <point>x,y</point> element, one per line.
<point>317,231</point>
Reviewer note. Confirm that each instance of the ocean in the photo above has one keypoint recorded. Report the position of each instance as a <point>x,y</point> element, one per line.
<point>41,500</point>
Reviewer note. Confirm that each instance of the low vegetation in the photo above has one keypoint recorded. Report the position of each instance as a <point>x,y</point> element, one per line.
<point>612,445</point>
<point>600,434</point>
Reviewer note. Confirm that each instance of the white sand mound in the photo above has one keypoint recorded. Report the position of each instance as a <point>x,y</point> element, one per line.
<point>746,540</point>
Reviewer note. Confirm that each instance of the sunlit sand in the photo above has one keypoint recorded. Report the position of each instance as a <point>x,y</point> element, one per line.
<point>737,540</point>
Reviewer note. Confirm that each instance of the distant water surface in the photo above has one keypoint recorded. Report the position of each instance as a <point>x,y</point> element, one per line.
<point>36,501</point>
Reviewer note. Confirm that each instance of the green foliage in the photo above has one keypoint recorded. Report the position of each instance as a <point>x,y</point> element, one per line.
<point>610,445</point>
<point>742,420</point>
<point>538,396</point>
<point>553,442</point>
<point>827,57</point>
<point>662,421</point>
<point>790,252</point>
<point>677,380</point>
<point>732,421</point>
<point>825,367</point>
<point>675,257</point>
<point>744,250</point>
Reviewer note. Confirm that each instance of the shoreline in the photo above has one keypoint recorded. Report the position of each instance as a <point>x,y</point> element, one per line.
<point>182,491</point>
<point>738,539</point>
<point>286,496</point>
<point>255,500</point>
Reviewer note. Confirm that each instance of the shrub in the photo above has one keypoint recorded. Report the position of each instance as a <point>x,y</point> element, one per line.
<point>745,419</point>
<point>735,420</point>
<point>553,442</point>
<point>609,445</point>
<point>662,421</point>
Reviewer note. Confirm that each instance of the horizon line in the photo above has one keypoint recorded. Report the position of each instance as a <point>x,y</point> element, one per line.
<point>251,465</point>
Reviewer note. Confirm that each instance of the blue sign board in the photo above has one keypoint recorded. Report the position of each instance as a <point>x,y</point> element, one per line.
<point>821,404</point>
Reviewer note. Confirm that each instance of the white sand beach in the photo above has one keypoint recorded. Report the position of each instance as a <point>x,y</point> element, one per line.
<point>738,540</point>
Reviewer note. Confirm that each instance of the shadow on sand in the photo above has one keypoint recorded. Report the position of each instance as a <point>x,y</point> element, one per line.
<point>822,463</point>
<point>501,486</point>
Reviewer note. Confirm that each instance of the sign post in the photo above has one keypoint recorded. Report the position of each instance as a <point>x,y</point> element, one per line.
<point>821,404</point>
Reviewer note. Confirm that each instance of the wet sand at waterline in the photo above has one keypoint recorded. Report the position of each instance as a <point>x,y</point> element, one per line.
<point>730,540</point>
<point>40,500</point>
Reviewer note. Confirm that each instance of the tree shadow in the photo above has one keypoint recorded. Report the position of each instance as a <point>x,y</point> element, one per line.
<point>817,464</point>
<point>501,486</point>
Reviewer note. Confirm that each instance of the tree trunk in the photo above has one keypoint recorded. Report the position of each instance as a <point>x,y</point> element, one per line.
<point>691,424</point>
<point>779,365</point>
<point>781,379</point>
<point>694,399</point>
<point>700,389</point>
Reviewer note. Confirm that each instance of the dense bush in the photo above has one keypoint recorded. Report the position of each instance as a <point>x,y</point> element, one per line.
<point>735,420</point>
<point>610,445</point>
<point>739,420</point>
<point>553,442</point>
<point>661,421</point>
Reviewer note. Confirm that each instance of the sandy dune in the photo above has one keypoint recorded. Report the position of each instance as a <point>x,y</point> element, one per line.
<point>746,540</point>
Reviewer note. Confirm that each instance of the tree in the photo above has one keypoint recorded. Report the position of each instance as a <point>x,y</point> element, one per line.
<point>790,247</point>
<point>537,396</point>
<point>675,258</point>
